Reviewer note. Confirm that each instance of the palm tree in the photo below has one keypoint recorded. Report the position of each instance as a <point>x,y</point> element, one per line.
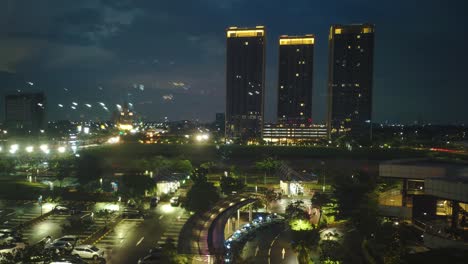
<point>319,200</point>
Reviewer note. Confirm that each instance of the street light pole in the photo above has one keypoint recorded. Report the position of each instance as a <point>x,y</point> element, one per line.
<point>323,172</point>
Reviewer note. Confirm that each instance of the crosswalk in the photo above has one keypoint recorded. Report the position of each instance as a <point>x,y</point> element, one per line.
<point>19,219</point>
<point>174,230</point>
<point>118,235</point>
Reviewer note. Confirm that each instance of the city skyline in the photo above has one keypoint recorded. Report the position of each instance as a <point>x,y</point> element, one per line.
<point>75,56</point>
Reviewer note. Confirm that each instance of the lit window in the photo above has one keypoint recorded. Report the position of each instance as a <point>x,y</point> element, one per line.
<point>297,50</point>
<point>281,86</point>
<point>343,85</point>
<point>302,113</point>
<point>302,104</point>
<point>246,43</point>
<point>297,74</point>
<point>349,47</point>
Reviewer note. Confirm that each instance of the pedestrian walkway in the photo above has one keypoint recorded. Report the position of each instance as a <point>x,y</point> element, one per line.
<point>174,229</point>
<point>115,238</point>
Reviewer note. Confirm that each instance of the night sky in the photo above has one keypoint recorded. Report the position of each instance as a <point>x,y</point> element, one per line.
<point>167,57</point>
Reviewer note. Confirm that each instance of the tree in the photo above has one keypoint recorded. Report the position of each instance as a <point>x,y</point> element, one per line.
<point>137,185</point>
<point>182,166</point>
<point>202,195</point>
<point>7,165</point>
<point>208,165</point>
<point>303,241</point>
<point>320,200</point>
<point>296,211</point>
<point>231,184</point>
<point>357,201</point>
<point>331,250</point>
<point>64,170</point>
<point>268,164</point>
<point>88,168</point>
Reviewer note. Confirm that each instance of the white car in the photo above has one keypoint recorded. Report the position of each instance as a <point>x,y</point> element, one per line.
<point>88,252</point>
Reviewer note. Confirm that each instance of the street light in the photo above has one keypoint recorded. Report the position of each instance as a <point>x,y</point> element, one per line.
<point>61,149</point>
<point>45,148</point>
<point>29,149</point>
<point>14,148</point>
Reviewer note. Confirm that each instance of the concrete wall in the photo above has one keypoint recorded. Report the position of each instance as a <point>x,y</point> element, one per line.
<point>451,190</point>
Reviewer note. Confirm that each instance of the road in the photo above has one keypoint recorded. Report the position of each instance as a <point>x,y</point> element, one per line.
<point>131,239</point>
<point>268,245</point>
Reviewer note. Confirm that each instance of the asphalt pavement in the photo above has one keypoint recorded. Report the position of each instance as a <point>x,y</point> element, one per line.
<point>132,239</point>
<point>267,247</point>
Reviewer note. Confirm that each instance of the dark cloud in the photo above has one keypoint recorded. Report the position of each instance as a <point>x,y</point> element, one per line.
<point>419,60</point>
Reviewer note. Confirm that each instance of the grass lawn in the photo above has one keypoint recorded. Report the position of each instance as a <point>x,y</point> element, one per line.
<point>20,189</point>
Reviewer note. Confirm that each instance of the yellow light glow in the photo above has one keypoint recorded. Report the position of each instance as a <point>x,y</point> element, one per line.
<point>125,127</point>
<point>367,30</point>
<point>338,31</point>
<point>245,33</point>
<point>297,41</point>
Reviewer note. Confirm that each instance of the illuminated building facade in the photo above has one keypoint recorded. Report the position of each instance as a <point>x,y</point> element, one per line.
<point>293,133</point>
<point>124,118</point>
<point>351,55</point>
<point>245,83</point>
<point>295,79</point>
<point>25,112</point>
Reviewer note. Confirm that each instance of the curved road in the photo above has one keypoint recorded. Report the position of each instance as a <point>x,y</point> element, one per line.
<point>267,247</point>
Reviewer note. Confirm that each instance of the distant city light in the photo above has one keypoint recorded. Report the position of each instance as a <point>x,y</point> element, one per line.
<point>86,130</point>
<point>61,149</point>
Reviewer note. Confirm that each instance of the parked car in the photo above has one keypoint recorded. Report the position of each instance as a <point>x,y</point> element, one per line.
<point>88,252</point>
<point>11,247</point>
<point>68,260</point>
<point>154,202</point>
<point>11,234</point>
<point>59,245</point>
<point>60,209</point>
<point>70,239</point>
<point>150,259</point>
<point>175,201</point>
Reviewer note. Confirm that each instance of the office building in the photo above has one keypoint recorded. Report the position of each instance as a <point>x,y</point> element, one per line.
<point>25,113</point>
<point>245,83</point>
<point>295,79</point>
<point>220,122</point>
<point>285,134</point>
<point>351,55</point>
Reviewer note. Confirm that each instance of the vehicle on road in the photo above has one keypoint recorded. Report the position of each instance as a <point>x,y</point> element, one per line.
<point>131,213</point>
<point>88,252</point>
<point>175,201</point>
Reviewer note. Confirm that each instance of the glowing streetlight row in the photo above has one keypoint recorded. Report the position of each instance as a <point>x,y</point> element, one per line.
<point>30,149</point>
